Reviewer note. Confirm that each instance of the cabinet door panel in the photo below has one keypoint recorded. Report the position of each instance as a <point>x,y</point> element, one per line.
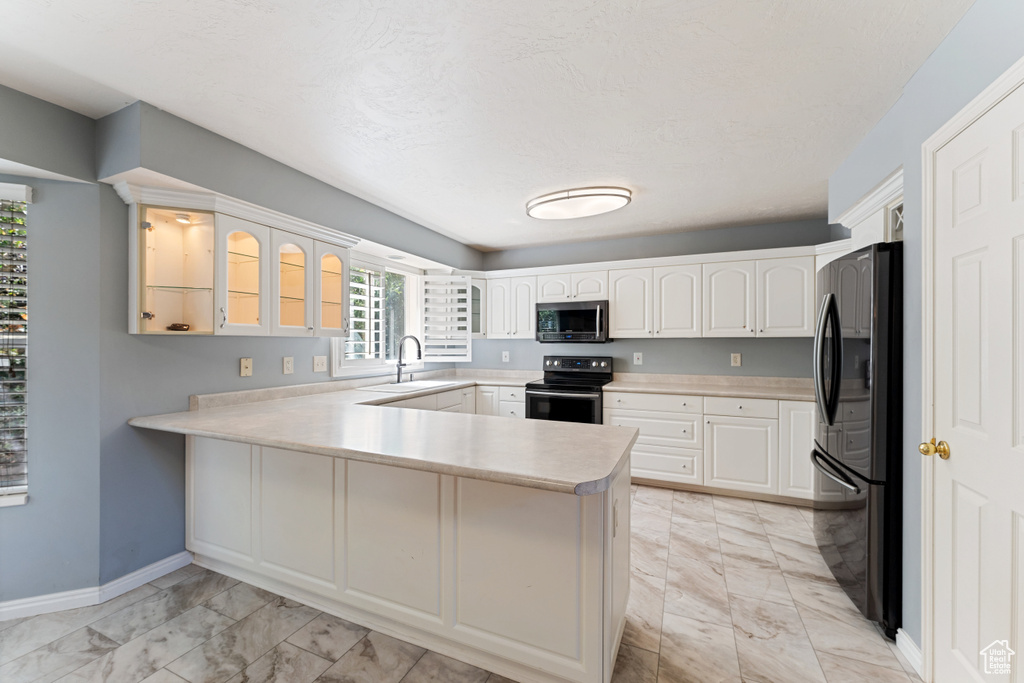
<point>590,286</point>
<point>330,291</point>
<point>469,400</point>
<point>785,297</point>
<point>486,400</point>
<point>798,421</point>
<point>499,325</point>
<point>220,498</point>
<point>631,303</point>
<point>523,307</point>
<point>554,288</point>
<point>242,277</point>
<point>741,453</point>
<point>677,301</point>
<point>729,299</point>
<point>292,284</point>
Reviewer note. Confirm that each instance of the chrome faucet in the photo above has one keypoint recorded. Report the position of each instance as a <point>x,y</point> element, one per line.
<point>401,349</point>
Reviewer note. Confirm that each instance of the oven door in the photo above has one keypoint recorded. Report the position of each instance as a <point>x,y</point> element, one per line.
<point>564,406</point>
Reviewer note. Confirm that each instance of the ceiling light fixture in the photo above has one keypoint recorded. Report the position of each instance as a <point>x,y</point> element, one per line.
<point>183,218</point>
<point>578,203</point>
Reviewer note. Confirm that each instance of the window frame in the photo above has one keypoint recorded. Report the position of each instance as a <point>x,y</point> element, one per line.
<point>370,367</point>
<point>18,494</point>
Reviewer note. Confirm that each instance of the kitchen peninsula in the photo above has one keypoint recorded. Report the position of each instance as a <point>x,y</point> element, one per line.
<point>500,542</point>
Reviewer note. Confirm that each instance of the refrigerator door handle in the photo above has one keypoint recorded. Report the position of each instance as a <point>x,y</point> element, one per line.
<point>835,475</point>
<point>819,357</point>
<point>837,360</point>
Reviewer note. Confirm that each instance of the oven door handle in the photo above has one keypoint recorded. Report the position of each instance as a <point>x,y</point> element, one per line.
<point>561,394</point>
<point>832,473</point>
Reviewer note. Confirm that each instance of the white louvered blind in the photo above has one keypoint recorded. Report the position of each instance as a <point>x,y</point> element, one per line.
<point>13,345</point>
<point>447,332</point>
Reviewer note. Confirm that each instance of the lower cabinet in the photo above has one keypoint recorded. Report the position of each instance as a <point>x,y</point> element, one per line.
<point>741,453</point>
<point>469,400</point>
<point>487,399</point>
<point>671,437</point>
<point>512,402</point>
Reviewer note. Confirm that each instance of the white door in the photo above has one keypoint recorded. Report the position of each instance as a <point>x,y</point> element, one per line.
<point>978,386</point>
<point>486,400</point>
<point>677,301</point>
<point>242,277</point>
<point>330,290</point>
<point>590,286</point>
<point>523,307</point>
<point>551,288</point>
<point>785,297</point>
<point>630,302</point>
<point>291,284</point>
<point>499,324</point>
<point>741,453</point>
<point>729,299</point>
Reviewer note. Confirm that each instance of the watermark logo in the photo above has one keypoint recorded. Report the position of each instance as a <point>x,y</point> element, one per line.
<point>998,658</point>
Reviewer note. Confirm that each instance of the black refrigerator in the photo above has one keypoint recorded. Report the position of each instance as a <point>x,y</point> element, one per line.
<point>858,386</point>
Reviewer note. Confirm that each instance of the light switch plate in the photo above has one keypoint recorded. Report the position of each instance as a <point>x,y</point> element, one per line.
<point>504,356</point>
<point>319,363</point>
<point>288,365</point>
<point>737,360</point>
<point>638,358</point>
<point>245,367</point>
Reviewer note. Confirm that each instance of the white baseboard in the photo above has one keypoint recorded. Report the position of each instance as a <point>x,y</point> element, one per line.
<point>83,597</point>
<point>910,650</point>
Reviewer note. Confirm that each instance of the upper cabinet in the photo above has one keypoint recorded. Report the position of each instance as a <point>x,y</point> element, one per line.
<point>588,286</point>
<point>243,266</point>
<point>478,308</point>
<point>202,271</point>
<point>631,303</point>
<point>764,298</point>
<point>499,323</point>
<point>677,301</point>
<point>785,297</point>
<point>511,308</point>
<point>730,299</point>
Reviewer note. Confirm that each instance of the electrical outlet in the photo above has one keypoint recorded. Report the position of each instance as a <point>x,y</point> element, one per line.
<point>638,358</point>
<point>245,367</point>
<point>504,356</point>
<point>288,365</point>
<point>319,363</point>
<point>737,360</point>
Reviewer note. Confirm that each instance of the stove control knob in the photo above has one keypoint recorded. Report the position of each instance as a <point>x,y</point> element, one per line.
<point>547,362</point>
<point>557,363</point>
<point>604,364</point>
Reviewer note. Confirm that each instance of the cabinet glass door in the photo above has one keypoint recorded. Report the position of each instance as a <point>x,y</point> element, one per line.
<point>332,291</point>
<point>243,277</point>
<point>176,271</point>
<point>294,266</point>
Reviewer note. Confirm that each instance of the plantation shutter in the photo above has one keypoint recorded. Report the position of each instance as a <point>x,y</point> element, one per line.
<point>13,342</point>
<point>447,332</point>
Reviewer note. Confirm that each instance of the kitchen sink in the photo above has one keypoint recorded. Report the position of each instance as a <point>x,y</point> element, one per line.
<point>406,387</point>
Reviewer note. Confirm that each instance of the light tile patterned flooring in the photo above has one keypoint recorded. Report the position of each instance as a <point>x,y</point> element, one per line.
<point>723,590</point>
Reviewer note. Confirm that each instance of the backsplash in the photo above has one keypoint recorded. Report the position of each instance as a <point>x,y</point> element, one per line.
<point>702,356</point>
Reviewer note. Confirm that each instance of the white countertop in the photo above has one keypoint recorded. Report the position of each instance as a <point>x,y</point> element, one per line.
<point>555,456</point>
<point>738,389</point>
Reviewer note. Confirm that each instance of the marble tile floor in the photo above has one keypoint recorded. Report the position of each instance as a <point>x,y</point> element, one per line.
<point>723,589</point>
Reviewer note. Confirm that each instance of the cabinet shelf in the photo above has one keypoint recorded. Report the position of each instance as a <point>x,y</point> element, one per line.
<point>174,288</point>
<point>239,293</point>
<point>244,258</point>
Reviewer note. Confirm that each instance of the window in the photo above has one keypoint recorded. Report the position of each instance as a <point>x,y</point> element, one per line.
<point>13,337</point>
<point>382,310</point>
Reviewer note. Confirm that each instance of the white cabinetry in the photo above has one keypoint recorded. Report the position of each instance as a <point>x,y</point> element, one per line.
<point>487,399</point>
<point>330,291</point>
<point>551,288</point>
<point>785,297</point>
<point>588,286</point>
<point>798,478</point>
<point>291,285</point>
<point>512,402</point>
<point>631,300</point>
<point>510,308</point>
<point>730,300</point>
<point>678,301</point>
<point>671,436</point>
<point>740,452</point>
<point>242,272</point>
<point>469,401</point>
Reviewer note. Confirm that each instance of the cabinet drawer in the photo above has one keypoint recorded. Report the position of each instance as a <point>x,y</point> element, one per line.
<point>660,429</point>
<point>447,399</point>
<point>668,403</point>
<point>512,409</point>
<point>741,407</point>
<point>854,411</point>
<point>512,393</point>
<point>667,464</point>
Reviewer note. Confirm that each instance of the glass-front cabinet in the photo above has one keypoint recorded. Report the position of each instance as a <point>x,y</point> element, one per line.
<point>331,291</point>
<point>205,272</point>
<point>176,271</point>
<point>243,265</point>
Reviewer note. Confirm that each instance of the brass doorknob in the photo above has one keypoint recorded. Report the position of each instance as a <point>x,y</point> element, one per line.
<point>931,448</point>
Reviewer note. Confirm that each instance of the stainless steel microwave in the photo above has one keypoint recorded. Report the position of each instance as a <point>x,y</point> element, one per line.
<point>577,321</point>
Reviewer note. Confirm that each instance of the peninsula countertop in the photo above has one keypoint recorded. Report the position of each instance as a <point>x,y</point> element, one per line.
<point>555,456</point>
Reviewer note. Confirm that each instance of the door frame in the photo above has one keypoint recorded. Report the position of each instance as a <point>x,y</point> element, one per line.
<point>980,105</point>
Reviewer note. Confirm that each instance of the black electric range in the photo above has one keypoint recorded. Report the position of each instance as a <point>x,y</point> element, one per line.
<point>571,390</point>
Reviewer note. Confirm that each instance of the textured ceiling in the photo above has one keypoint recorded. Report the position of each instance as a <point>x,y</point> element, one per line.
<point>455,113</point>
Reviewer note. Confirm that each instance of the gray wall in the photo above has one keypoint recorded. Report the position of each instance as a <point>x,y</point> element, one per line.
<point>761,357</point>
<point>142,135</point>
<point>985,43</point>
<point>739,238</point>
<point>43,135</point>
